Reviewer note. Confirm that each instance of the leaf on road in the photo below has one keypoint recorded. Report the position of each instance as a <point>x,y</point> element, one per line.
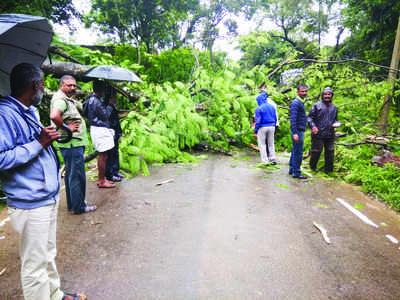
<point>359,206</point>
<point>282,186</point>
<point>320,205</point>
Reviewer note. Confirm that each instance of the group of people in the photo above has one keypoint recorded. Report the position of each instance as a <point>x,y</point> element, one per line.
<point>322,119</point>
<point>30,167</point>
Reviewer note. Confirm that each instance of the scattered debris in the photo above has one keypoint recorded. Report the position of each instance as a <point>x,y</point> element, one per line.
<point>3,271</point>
<point>386,157</point>
<point>165,181</point>
<point>363,217</point>
<point>2,223</point>
<point>92,222</point>
<point>392,239</point>
<point>323,232</point>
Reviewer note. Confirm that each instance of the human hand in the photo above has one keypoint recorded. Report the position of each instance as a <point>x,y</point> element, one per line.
<point>314,130</point>
<point>47,136</point>
<point>296,137</point>
<point>73,126</point>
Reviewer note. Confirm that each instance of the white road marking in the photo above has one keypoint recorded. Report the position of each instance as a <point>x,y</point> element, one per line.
<point>392,239</point>
<point>363,217</point>
<point>2,223</point>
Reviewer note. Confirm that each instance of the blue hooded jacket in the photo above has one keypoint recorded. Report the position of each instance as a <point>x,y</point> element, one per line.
<point>29,173</point>
<point>265,115</point>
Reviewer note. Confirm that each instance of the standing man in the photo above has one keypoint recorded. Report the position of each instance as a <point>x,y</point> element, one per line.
<point>323,121</point>
<point>102,135</point>
<point>30,177</point>
<point>298,122</point>
<point>112,164</point>
<point>265,122</point>
<point>64,109</point>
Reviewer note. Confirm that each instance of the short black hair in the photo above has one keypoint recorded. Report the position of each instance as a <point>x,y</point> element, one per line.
<point>302,86</point>
<point>22,75</point>
<point>99,86</point>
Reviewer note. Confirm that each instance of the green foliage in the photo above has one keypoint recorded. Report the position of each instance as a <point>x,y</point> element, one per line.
<point>373,24</point>
<point>58,11</point>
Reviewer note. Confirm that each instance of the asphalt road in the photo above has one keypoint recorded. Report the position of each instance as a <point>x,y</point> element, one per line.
<point>221,229</point>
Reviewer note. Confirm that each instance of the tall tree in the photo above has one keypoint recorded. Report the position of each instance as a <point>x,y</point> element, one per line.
<point>373,26</point>
<point>58,11</point>
<point>151,22</point>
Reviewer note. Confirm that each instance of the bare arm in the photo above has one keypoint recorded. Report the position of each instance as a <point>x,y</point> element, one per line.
<point>56,117</point>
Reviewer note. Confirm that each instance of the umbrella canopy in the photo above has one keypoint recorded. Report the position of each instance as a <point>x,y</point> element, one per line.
<point>112,73</point>
<point>23,38</point>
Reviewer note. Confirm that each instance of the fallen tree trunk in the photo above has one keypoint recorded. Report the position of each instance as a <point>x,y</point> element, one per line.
<point>61,68</point>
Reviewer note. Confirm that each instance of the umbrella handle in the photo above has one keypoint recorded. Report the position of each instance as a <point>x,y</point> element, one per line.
<point>68,137</point>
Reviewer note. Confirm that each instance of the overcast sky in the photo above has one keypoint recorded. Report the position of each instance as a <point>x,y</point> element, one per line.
<point>85,36</point>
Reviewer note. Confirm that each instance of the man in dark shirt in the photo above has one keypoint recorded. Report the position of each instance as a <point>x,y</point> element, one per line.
<point>298,121</point>
<point>323,121</point>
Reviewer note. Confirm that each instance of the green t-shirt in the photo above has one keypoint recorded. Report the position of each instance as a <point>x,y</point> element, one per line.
<point>70,113</point>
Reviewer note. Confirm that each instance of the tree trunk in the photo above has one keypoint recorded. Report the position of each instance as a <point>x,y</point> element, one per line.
<point>60,68</point>
<point>392,75</point>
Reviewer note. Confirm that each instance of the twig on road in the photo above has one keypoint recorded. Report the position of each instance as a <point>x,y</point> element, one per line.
<point>323,232</point>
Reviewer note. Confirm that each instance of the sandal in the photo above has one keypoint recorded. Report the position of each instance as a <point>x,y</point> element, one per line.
<point>90,208</point>
<point>106,184</point>
<point>75,296</point>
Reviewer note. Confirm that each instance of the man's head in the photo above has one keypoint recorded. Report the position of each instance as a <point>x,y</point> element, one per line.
<point>302,91</point>
<point>68,85</point>
<point>26,82</point>
<point>99,88</point>
<point>327,94</point>
<point>111,95</point>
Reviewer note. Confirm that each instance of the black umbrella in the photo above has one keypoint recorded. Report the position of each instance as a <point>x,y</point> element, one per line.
<point>23,38</point>
<point>114,73</point>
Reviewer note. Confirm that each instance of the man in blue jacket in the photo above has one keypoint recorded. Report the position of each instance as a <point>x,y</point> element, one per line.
<point>265,121</point>
<point>298,122</point>
<point>30,177</point>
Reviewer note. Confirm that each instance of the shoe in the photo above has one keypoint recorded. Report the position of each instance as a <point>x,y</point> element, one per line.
<point>290,172</point>
<point>75,296</point>
<point>274,162</point>
<point>300,177</point>
<point>122,176</point>
<point>87,209</point>
<point>90,208</point>
<point>115,179</point>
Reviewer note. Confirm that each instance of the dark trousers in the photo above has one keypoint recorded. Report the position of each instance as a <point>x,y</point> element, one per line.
<point>112,163</point>
<point>319,144</point>
<point>296,157</point>
<point>75,178</point>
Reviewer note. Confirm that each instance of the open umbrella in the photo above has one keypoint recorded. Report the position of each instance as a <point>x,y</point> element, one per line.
<point>23,38</point>
<point>112,73</point>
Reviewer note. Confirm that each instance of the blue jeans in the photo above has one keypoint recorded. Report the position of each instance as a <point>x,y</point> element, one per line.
<point>297,155</point>
<point>75,178</point>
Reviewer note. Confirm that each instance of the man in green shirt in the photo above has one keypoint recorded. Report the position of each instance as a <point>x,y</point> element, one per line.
<point>65,110</point>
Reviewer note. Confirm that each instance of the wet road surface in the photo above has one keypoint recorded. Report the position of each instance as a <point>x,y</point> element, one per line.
<point>222,229</point>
